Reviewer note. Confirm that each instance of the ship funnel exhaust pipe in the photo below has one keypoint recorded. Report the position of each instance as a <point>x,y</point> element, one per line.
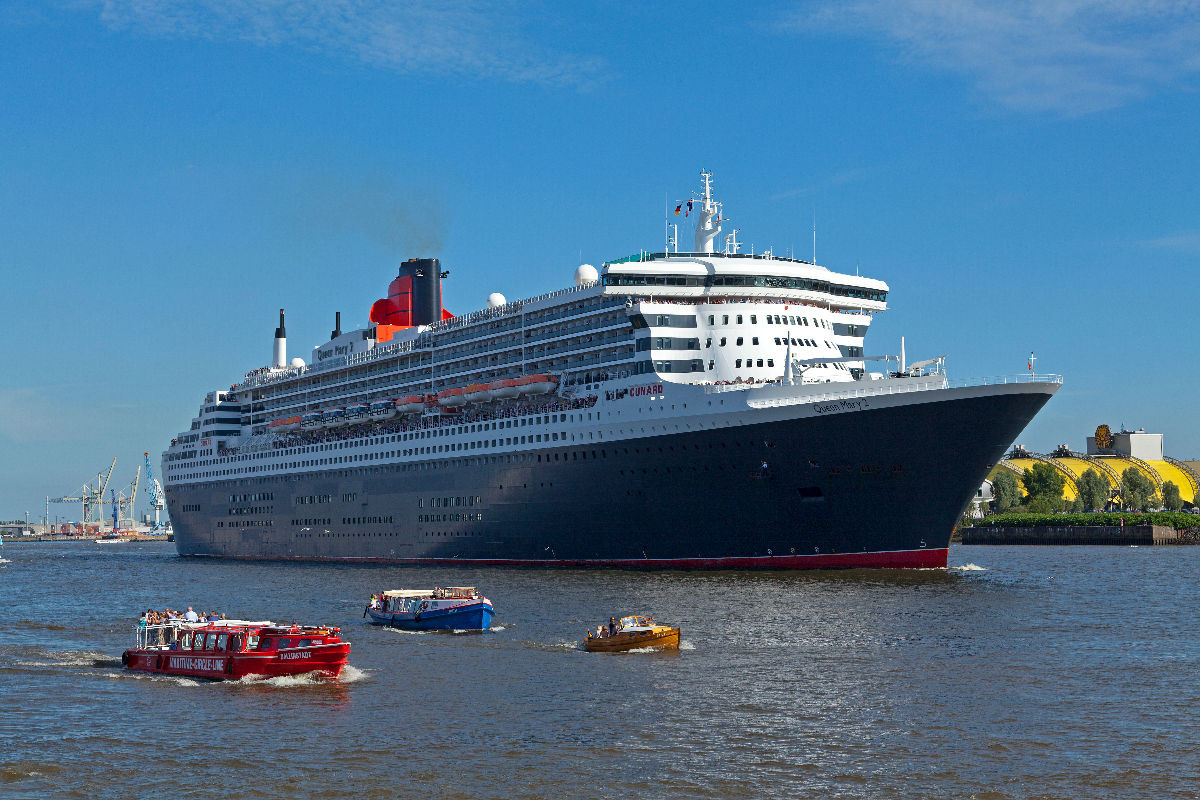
<point>337,325</point>
<point>280,358</point>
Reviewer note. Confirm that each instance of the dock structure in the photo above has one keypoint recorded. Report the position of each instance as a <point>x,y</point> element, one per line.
<point>1124,535</point>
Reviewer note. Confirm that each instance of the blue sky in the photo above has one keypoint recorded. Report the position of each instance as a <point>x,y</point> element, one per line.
<point>1024,177</point>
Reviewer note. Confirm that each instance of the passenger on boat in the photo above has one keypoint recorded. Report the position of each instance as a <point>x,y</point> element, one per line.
<point>612,626</point>
<point>191,616</point>
<point>213,617</point>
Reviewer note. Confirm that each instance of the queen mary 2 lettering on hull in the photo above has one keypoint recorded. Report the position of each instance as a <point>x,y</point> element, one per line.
<point>679,409</point>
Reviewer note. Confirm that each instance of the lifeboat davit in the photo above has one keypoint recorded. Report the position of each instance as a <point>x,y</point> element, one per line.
<point>311,421</point>
<point>536,384</point>
<point>357,413</point>
<point>451,398</point>
<point>409,405</point>
<point>476,393</point>
<point>502,390</point>
<point>333,417</point>
<point>383,409</point>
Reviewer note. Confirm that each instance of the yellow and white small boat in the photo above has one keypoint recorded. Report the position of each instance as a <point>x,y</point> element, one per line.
<point>634,632</point>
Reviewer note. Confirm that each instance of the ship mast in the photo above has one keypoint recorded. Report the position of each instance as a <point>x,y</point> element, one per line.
<point>708,225</point>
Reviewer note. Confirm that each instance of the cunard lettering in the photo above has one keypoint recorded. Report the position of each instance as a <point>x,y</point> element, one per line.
<point>648,389</point>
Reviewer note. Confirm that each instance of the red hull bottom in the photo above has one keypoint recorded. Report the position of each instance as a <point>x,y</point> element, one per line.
<point>931,558</point>
<point>196,664</point>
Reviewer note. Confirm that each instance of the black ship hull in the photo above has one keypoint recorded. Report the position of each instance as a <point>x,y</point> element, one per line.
<point>880,487</point>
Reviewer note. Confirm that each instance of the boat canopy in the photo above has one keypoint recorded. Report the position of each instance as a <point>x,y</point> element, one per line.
<point>408,593</point>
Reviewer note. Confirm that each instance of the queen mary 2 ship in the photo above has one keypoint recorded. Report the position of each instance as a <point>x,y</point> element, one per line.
<point>703,409</point>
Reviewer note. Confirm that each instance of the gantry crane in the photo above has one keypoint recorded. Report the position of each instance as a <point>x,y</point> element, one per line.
<point>158,499</point>
<point>91,497</point>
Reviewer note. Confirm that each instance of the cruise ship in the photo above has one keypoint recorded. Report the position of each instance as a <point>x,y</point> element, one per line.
<point>693,409</point>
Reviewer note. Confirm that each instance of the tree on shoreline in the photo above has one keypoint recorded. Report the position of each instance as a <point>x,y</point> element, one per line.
<point>1093,490</point>
<point>1045,487</point>
<point>1006,491</point>
<point>1171,499</point>
<point>1137,492</point>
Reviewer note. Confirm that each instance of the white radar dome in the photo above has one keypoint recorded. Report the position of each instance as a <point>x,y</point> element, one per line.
<point>297,362</point>
<point>586,273</point>
<point>495,300</point>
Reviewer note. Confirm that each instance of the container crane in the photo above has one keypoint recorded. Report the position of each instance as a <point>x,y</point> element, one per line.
<point>158,499</point>
<point>91,497</point>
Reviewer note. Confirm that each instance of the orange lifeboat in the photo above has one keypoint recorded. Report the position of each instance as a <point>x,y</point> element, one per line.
<point>451,398</point>
<point>284,424</point>
<point>503,389</point>
<point>476,393</point>
<point>409,405</point>
<point>536,384</point>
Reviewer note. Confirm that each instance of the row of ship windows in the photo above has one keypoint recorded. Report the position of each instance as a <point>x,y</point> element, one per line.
<point>249,523</point>
<point>365,520</point>
<point>312,521</point>
<point>241,512</point>
<point>450,502</point>
<point>772,319</point>
<point>469,517</point>
<point>252,497</point>
<point>749,281</point>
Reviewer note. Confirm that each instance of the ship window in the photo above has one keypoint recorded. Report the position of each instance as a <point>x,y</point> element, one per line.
<point>739,341</point>
<point>710,364</point>
<point>770,362</point>
<point>754,340</point>
<point>739,319</point>
<point>710,318</point>
<point>724,319</point>
<point>739,363</point>
<point>722,341</point>
<point>777,340</point>
<point>753,319</point>
<point>708,342</point>
<point>760,362</point>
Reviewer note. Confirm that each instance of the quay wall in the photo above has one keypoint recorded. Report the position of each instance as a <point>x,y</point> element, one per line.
<point>1074,534</point>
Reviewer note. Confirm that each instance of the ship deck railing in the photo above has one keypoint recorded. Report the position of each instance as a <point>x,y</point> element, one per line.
<point>877,388</point>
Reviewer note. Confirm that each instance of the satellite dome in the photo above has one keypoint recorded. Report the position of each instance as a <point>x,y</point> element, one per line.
<point>297,362</point>
<point>586,273</point>
<point>495,300</point>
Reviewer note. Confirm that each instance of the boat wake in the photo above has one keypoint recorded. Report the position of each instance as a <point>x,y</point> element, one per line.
<point>349,674</point>
<point>969,568</point>
<point>4,560</point>
<point>43,658</point>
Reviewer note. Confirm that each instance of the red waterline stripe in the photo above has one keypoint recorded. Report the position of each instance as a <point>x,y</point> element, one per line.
<point>892,559</point>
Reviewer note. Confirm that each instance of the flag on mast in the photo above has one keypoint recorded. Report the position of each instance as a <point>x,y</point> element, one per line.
<point>1031,361</point>
<point>677,208</point>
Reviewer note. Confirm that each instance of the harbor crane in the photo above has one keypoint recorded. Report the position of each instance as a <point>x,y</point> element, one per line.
<point>91,497</point>
<point>123,514</point>
<point>158,499</point>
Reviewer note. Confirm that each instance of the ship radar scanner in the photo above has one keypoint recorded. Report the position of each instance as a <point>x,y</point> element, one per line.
<point>495,300</point>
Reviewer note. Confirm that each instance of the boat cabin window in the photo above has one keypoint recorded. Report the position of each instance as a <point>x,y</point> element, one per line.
<point>211,642</point>
<point>304,643</point>
<point>185,641</point>
<point>251,642</point>
<point>266,643</point>
<point>235,643</point>
<point>284,642</point>
<point>222,640</point>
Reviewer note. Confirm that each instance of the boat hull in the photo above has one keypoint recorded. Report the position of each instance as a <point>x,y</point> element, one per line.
<point>474,617</point>
<point>881,485</point>
<point>667,639</point>
<point>327,660</point>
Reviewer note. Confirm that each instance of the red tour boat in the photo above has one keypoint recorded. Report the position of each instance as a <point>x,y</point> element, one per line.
<point>233,649</point>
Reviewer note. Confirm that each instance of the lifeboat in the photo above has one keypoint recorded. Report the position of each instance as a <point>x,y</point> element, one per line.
<point>311,421</point>
<point>502,390</point>
<point>285,424</point>
<point>357,413</point>
<point>409,405</point>
<point>383,409</point>
<point>476,393</point>
<point>450,398</point>
<point>333,417</point>
<point>536,384</point>
<point>633,633</point>
<point>233,649</point>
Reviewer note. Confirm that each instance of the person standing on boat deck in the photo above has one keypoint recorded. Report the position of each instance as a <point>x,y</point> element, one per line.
<point>191,616</point>
<point>612,626</point>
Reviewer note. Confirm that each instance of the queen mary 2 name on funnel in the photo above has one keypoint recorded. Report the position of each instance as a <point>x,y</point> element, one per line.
<point>709,408</point>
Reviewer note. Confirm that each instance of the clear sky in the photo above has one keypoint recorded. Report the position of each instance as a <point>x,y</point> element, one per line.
<point>1024,175</point>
